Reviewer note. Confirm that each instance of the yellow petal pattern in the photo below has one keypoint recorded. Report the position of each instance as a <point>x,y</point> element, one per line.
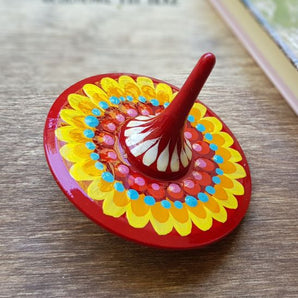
<point>163,93</point>
<point>180,217</point>
<point>138,213</point>
<point>130,87</point>
<point>70,134</point>
<point>110,207</point>
<point>95,94</point>
<point>81,103</point>
<point>198,111</point>
<point>111,87</point>
<point>75,152</point>
<point>73,118</point>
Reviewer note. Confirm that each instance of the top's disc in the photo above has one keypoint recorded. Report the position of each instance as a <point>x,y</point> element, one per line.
<point>81,141</point>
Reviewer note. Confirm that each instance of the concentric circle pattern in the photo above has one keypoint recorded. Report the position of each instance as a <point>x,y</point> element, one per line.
<point>214,193</point>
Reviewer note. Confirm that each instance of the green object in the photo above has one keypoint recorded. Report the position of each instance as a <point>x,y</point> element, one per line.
<point>280,19</point>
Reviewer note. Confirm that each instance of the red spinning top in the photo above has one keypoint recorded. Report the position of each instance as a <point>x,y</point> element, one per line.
<point>147,161</point>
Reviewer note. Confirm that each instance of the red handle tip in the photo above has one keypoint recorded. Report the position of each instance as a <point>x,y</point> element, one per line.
<point>210,57</point>
<point>187,95</point>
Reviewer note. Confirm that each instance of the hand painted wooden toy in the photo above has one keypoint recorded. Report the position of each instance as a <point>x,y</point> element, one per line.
<point>147,161</point>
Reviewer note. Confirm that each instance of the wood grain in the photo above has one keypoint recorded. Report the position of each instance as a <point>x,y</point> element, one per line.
<point>48,248</point>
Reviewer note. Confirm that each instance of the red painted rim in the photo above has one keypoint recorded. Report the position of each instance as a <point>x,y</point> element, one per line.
<point>120,226</point>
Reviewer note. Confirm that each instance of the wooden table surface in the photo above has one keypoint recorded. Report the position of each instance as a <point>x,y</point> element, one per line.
<point>48,248</point>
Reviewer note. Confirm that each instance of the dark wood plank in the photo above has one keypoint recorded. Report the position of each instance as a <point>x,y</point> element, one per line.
<point>48,248</point>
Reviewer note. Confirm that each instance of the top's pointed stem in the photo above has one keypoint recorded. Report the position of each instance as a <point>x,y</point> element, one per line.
<point>158,148</point>
<point>189,92</point>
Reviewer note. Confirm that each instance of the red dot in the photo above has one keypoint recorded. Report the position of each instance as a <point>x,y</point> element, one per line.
<point>205,164</point>
<point>112,155</point>
<point>120,118</point>
<point>121,171</point>
<point>202,178</point>
<point>155,186</point>
<point>156,191</point>
<point>106,139</point>
<point>132,112</point>
<point>137,182</point>
<point>174,190</point>
<point>144,109</point>
<point>201,147</point>
<point>129,109</point>
<point>108,125</point>
<point>140,181</point>
<point>187,134</point>
<point>107,154</point>
<point>191,187</point>
<point>117,116</point>
<point>191,134</point>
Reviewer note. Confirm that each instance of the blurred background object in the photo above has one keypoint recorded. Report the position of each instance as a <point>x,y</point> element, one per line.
<point>269,31</point>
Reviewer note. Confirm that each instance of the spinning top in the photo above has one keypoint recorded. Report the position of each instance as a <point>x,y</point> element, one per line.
<point>147,161</point>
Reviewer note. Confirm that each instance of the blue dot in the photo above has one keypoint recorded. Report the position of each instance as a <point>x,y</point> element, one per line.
<point>99,165</point>
<point>103,105</point>
<point>203,197</point>
<point>94,156</point>
<point>88,133</point>
<point>149,200</point>
<point>90,145</point>
<point>216,180</point>
<point>129,98</point>
<point>191,118</point>
<point>166,204</point>
<point>178,204</point>
<point>218,159</point>
<point>133,194</point>
<point>166,104</point>
<point>208,136</point>
<point>119,187</point>
<point>108,177</point>
<point>200,127</point>
<point>96,112</point>
<point>210,189</point>
<point>219,171</point>
<point>142,99</point>
<point>213,147</point>
<point>154,102</point>
<point>191,201</point>
<point>91,121</point>
<point>114,100</point>
<point>122,98</point>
